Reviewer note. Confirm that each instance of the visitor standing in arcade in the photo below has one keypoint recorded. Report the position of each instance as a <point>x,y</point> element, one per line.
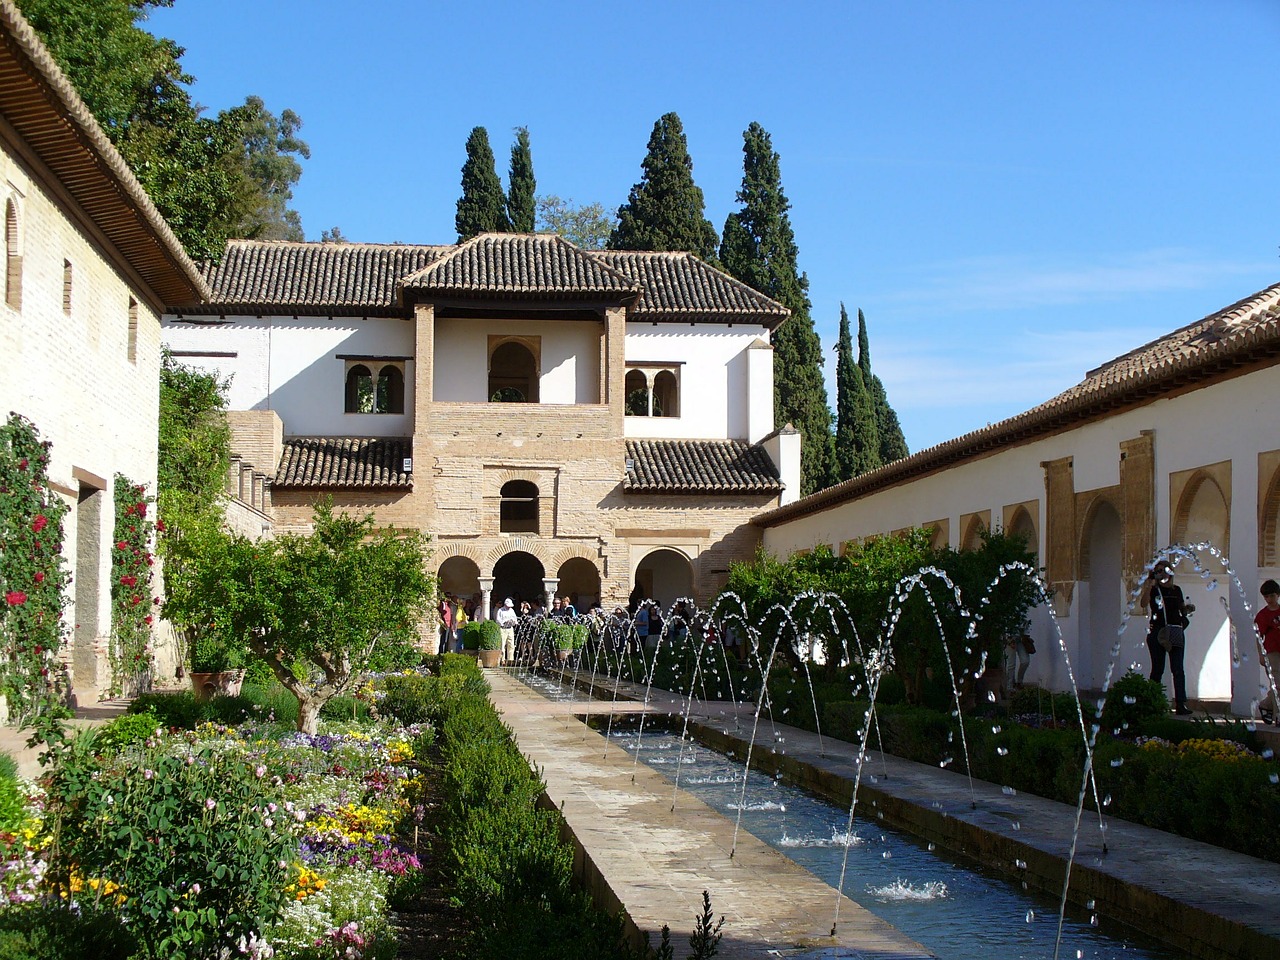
<point>1267,623</point>
<point>1167,613</point>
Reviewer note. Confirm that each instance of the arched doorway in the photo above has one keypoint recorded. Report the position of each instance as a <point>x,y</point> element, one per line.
<point>665,575</point>
<point>580,582</point>
<point>459,576</point>
<point>517,575</point>
<point>1202,515</point>
<point>1101,588</point>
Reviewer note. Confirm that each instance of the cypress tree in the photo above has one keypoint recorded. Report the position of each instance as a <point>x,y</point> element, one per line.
<point>665,210</point>
<point>759,248</point>
<point>482,206</point>
<point>521,208</point>
<point>893,445</point>
<point>857,445</point>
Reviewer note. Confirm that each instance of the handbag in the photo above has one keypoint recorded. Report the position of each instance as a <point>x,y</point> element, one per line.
<point>1171,637</point>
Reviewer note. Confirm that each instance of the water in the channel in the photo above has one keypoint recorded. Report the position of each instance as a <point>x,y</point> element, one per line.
<point>957,911</point>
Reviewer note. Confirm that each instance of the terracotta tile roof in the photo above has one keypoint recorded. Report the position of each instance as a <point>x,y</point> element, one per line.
<point>1243,335</point>
<point>286,277</point>
<point>699,466</point>
<point>38,101</point>
<point>273,276</point>
<point>679,286</point>
<point>376,462</point>
<point>522,265</point>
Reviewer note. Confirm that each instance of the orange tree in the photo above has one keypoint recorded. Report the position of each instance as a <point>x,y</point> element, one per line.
<point>320,610</point>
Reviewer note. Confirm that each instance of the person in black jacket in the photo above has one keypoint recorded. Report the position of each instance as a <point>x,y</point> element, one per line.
<point>1167,613</point>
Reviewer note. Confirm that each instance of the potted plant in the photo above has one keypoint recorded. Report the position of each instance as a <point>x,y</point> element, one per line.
<point>490,643</point>
<point>470,636</point>
<point>567,637</point>
<point>216,665</point>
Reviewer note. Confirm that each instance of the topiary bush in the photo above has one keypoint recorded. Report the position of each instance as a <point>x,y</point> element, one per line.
<point>490,635</point>
<point>1131,701</point>
<point>127,729</point>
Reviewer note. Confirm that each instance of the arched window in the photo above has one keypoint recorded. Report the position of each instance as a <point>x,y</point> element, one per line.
<point>12,256</point>
<point>513,373</point>
<point>518,512</point>
<point>367,393</point>
<point>637,394</point>
<point>389,395</point>
<point>359,389</point>
<point>666,401</point>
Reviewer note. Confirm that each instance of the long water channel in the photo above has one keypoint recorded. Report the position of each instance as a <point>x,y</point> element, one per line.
<point>956,909</point>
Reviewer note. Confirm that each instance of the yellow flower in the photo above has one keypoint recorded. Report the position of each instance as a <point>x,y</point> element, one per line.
<point>305,884</point>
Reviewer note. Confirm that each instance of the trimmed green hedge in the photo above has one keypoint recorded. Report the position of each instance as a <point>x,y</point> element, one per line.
<point>1230,803</point>
<point>507,864</point>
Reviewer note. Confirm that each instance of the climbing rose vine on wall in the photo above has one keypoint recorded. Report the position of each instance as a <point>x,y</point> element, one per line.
<point>133,607</point>
<point>32,575</point>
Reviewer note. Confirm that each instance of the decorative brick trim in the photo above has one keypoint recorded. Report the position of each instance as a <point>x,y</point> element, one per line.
<point>515,545</point>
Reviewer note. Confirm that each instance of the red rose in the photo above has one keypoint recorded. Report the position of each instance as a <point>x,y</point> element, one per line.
<point>22,464</point>
<point>160,526</point>
<point>142,509</point>
<point>135,600</point>
<point>39,523</point>
<point>147,619</point>
<point>39,577</point>
<point>122,545</point>
<point>128,581</point>
<point>156,601</point>
<point>15,598</point>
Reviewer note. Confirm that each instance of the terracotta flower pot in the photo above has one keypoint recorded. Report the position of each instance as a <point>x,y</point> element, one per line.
<point>490,658</point>
<point>220,683</point>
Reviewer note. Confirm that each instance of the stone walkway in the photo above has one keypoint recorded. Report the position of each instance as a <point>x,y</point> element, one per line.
<point>14,742</point>
<point>1198,898</point>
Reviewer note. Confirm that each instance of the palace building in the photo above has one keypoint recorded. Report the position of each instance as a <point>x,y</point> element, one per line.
<point>561,421</point>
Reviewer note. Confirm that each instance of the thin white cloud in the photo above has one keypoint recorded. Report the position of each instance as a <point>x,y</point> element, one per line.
<point>1019,282</point>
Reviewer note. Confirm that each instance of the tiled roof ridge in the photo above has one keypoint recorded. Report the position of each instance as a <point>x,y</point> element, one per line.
<point>531,282</point>
<point>338,244</point>
<point>769,305</point>
<point>90,132</point>
<point>1227,317</point>
<point>775,306</point>
<point>699,466</point>
<point>1077,403</point>
<point>343,462</point>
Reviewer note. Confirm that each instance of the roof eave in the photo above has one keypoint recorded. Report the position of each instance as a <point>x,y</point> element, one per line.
<point>50,116</point>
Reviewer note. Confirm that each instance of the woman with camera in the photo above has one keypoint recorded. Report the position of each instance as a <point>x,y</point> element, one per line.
<point>1168,618</point>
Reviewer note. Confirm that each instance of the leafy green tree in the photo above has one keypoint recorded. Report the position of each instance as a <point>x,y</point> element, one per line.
<point>665,210</point>
<point>759,248</point>
<point>521,209</point>
<point>857,444</point>
<point>195,441</point>
<point>482,206</point>
<point>320,610</point>
<point>211,178</point>
<point>587,225</point>
<point>893,445</point>
<point>332,235</point>
<point>271,149</point>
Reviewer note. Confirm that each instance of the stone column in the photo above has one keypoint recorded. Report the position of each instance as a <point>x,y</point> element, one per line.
<point>549,587</point>
<point>486,589</point>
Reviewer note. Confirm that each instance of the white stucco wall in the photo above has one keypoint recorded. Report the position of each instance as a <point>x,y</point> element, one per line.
<point>71,375</point>
<point>714,385</point>
<point>293,367</point>
<point>1230,421</point>
<point>569,352</point>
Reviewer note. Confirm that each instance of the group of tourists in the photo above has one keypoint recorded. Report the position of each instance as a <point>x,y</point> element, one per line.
<point>1169,615</point>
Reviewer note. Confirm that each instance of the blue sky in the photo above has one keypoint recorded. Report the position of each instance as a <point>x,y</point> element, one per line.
<point>1013,192</point>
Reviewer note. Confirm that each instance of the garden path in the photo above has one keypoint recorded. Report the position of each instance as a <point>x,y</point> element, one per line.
<point>1203,899</point>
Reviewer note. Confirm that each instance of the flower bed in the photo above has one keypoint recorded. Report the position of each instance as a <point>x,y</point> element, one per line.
<point>250,839</point>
